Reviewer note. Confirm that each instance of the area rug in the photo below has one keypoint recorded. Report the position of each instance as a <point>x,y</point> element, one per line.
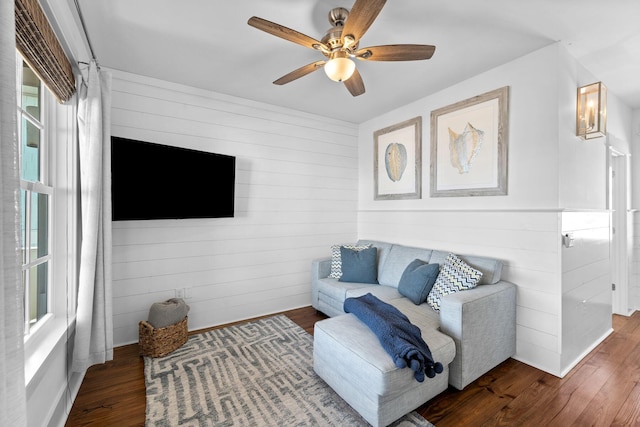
<point>258,373</point>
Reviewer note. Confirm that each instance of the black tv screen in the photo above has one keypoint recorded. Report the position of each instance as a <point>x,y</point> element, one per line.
<point>153,181</point>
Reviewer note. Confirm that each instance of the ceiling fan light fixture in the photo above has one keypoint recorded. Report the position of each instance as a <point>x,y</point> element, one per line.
<point>340,67</point>
<point>340,45</point>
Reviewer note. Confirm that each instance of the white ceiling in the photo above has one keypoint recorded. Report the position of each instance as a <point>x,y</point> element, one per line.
<point>208,44</point>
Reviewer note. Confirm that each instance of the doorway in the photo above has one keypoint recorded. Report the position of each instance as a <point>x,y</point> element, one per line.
<point>618,204</point>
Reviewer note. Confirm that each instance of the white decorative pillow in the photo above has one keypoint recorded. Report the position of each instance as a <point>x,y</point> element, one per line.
<point>455,275</point>
<point>336,258</point>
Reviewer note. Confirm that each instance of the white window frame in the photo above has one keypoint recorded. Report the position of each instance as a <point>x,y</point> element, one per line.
<point>58,165</point>
<point>43,186</point>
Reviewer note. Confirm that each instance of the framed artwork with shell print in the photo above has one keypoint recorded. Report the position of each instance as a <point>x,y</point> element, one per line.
<point>469,141</point>
<point>397,162</point>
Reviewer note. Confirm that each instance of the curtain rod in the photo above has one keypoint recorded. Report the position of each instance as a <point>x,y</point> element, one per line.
<point>86,34</point>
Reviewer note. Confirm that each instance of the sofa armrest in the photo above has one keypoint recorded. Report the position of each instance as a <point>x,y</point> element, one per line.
<point>482,323</point>
<point>320,269</point>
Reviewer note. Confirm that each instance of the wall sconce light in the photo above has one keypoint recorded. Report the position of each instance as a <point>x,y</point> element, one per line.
<point>591,114</point>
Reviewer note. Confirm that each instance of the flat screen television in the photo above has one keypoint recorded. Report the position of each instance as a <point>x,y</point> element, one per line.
<point>152,181</point>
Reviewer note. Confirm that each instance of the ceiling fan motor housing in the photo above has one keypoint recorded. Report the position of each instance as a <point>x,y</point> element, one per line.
<point>333,36</point>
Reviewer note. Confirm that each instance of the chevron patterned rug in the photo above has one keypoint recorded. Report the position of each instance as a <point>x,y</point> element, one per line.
<point>258,373</point>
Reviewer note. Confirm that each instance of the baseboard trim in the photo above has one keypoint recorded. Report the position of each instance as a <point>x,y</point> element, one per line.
<point>535,365</point>
<point>65,400</point>
<point>585,353</point>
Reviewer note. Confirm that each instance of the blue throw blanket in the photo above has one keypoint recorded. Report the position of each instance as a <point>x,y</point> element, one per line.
<point>398,336</point>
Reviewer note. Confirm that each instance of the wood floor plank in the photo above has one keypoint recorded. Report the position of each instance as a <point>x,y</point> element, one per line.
<point>629,413</point>
<point>602,390</point>
<point>621,382</point>
<point>569,400</point>
<point>484,398</point>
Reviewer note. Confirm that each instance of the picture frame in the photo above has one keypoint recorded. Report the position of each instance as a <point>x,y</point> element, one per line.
<point>397,161</point>
<point>469,144</point>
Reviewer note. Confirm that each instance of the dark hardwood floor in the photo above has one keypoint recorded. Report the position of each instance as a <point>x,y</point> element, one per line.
<point>603,390</point>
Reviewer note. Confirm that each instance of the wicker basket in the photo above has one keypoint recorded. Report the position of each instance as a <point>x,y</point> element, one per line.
<point>162,341</point>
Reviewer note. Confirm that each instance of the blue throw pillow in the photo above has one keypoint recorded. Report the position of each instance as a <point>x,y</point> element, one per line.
<point>417,280</point>
<point>359,266</point>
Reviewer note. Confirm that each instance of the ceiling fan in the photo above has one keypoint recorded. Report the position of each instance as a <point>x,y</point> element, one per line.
<point>341,43</point>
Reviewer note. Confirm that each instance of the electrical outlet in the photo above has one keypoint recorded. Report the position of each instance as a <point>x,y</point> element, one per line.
<point>187,293</point>
<point>179,293</point>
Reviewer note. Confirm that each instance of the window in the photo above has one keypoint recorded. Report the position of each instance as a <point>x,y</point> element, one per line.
<point>35,196</point>
<point>47,133</point>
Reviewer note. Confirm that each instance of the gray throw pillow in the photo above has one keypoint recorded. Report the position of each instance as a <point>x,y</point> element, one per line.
<point>166,313</point>
<point>417,280</point>
<point>359,266</point>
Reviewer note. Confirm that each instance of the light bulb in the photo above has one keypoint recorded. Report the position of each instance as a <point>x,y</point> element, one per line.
<point>339,68</point>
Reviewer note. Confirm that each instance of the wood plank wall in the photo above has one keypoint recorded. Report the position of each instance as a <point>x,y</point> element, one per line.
<point>296,194</point>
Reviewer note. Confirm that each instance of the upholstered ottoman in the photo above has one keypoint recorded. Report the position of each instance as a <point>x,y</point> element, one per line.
<point>349,357</point>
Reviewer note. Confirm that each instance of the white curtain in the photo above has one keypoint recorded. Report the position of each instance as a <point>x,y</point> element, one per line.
<point>94,323</point>
<point>12,386</point>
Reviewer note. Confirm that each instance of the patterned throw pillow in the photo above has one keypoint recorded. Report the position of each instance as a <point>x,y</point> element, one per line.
<point>455,275</point>
<point>336,259</point>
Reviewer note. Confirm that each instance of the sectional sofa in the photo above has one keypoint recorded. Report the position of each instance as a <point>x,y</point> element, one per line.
<point>473,331</point>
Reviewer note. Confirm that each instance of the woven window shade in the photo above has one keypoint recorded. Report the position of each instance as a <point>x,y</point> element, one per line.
<point>40,48</point>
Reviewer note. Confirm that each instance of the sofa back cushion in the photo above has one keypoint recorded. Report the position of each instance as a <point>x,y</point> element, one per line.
<point>491,268</point>
<point>397,260</point>
<point>383,251</point>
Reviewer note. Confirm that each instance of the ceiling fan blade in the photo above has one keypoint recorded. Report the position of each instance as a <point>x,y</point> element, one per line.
<point>285,33</point>
<point>300,72</point>
<point>361,16</point>
<point>354,84</point>
<point>396,52</point>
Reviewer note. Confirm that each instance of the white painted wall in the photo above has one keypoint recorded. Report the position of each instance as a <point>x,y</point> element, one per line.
<point>296,195</point>
<point>582,164</point>
<point>533,137</point>
<point>551,173</point>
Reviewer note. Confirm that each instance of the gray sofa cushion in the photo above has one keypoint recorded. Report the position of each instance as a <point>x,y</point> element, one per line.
<point>385,293</point>
<point>491,268</point>
<point>396,262</point>
<point>349,341</point>
<point>338,290</point>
